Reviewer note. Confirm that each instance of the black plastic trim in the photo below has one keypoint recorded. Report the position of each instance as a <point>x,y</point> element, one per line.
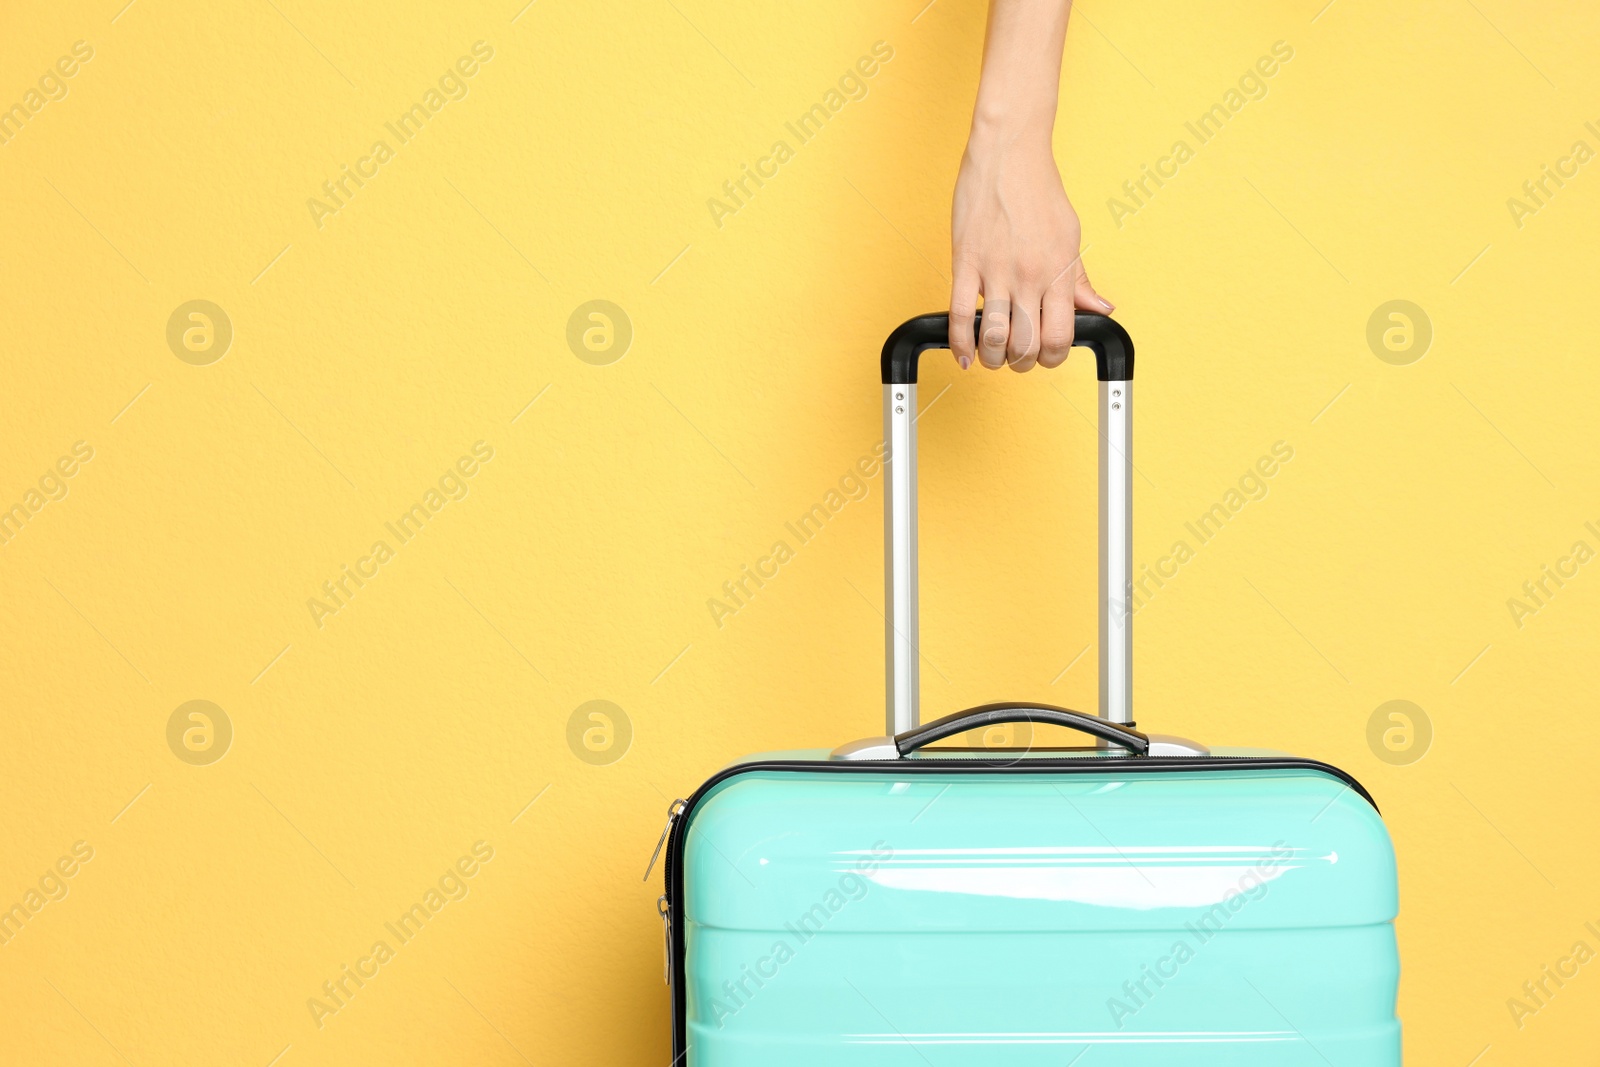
<point>908,741</point>
<point>1105,337</point>
<point>1149,765</point>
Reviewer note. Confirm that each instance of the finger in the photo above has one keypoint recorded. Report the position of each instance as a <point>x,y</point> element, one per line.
<point>996,329</point>
<point>1022,350</point>
<point>1084,295</point>
<point>963,308</point>
<point>1056,325</point>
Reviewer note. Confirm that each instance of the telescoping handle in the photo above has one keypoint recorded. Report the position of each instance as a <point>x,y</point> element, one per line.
<point>1113,351</point>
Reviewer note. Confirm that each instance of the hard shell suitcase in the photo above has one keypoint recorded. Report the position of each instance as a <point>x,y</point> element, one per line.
<point>1140,900</point>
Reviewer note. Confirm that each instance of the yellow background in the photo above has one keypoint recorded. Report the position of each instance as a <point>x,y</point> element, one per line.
<point>368,354</point>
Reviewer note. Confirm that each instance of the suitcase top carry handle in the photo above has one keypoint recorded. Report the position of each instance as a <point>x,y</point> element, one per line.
<point>1000,714</point>
<point>1110,343</point>
<point>1114,354</point>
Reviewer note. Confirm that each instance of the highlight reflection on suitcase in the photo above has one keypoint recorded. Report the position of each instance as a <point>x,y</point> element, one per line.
<point>1142,900</point>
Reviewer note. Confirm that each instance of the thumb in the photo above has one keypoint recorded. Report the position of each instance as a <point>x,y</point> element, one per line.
<point>1084,296</point>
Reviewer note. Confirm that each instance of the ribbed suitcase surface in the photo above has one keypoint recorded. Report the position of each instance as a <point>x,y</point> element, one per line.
<point>1236,914</point>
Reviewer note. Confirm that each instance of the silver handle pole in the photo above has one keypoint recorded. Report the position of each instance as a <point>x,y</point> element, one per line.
<point>900,557</point>
<point>1116,551</point>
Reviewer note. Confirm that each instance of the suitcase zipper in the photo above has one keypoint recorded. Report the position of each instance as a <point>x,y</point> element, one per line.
<point>665,911</point>
<point>663,905</point>
<point>674,810</point>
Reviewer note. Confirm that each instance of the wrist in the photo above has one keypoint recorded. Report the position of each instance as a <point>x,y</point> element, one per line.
<point>1007,124</point>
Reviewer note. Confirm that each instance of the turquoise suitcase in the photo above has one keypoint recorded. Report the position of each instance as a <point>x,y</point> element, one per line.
<point>1140,899</point>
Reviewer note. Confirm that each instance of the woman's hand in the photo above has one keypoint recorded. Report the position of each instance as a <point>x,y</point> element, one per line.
<point>1015,236</point>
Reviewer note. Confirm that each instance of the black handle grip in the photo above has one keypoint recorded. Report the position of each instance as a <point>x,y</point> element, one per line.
<point>1105,337</point>
<point>998,714</point>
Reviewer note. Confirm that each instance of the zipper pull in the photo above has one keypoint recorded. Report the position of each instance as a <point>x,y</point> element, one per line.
<point>666,927</point>
<point>674,810</point>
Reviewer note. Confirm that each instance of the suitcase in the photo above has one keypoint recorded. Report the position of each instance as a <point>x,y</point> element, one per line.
<point>1139,899</point>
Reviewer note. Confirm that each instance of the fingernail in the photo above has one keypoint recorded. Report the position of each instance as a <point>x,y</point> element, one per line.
<point>1108,305</point>
<point>965,361</point>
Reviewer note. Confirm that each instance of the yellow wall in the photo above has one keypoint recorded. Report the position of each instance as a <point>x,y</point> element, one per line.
<point>375,747</point>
